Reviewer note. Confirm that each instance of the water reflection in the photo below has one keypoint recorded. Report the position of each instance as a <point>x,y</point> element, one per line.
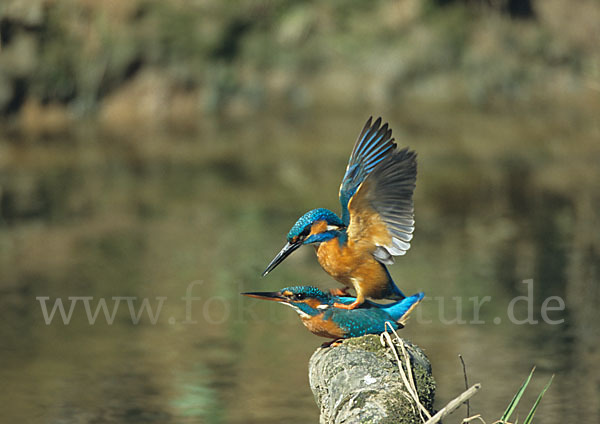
<point>95,218</point>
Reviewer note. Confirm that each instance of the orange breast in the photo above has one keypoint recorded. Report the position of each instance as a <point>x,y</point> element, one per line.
<point>322,328</point>
<point>353,267</point>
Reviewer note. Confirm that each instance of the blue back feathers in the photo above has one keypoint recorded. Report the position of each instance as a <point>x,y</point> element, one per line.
<point>371,317</point>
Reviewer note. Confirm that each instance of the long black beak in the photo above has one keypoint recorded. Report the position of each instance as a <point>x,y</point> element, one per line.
<point>284,253</point>
<point>267,296</point>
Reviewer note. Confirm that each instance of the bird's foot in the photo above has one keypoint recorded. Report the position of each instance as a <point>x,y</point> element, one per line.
<point>332,343</point>
<point>339,292</point>
<point>353,305</point>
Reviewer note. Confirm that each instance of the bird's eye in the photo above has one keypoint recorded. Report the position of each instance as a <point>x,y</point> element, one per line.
<point>300,296</point>
<point>305,232</point>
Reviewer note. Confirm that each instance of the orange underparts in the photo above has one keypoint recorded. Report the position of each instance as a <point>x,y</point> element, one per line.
<point>323,328</point>
<point>353,265</point>
<point>339,292</point>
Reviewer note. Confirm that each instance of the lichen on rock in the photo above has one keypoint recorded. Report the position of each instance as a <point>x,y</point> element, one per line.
<point>359,381</point>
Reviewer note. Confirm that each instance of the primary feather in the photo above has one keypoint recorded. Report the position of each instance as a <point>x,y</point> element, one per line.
<point>381,211</point>
<point>373,145</point>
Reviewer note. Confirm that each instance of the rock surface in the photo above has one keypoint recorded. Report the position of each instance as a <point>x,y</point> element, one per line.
<point>359,382</point>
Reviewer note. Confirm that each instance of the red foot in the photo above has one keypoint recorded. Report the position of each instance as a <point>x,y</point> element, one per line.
<point>353,305</point>
<point>332,343</point>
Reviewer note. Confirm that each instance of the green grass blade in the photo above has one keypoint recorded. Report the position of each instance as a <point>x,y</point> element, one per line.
<point>535,405</point>
<point>515,400</point>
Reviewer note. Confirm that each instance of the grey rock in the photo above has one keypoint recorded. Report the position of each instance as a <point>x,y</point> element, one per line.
<point>359,382</point>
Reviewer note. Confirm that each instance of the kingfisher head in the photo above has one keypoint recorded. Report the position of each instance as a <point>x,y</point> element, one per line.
<point>306,300</point>
<point>315,226</point>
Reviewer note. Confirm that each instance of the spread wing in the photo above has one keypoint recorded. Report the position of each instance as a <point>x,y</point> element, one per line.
<point>381,210</point>
<point>374,144</point>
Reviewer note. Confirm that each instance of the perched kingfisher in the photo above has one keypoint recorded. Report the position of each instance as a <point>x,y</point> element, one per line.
<point>320,315</point>
<point>377,220</point>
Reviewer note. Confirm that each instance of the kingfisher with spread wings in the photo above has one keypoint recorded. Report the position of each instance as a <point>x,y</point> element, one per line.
<point>377,220</point>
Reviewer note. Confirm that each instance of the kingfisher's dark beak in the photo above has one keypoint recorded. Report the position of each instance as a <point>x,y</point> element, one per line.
<point>276,296</point>
<point>284,253</point>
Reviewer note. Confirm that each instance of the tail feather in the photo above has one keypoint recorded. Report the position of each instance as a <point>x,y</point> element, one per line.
<point>396,292</point>
<point>400,310</point>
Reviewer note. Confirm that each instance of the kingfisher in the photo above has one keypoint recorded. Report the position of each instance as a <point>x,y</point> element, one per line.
<point>377,220</point>
<point>319,314</point>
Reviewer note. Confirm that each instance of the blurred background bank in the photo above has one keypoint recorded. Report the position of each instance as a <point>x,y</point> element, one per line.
<point>148,148</point>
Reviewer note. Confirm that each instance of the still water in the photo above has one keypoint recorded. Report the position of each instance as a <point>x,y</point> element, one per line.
<point>187,222</point>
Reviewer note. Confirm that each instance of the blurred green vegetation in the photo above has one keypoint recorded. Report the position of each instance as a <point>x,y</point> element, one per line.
<point>174,62</point>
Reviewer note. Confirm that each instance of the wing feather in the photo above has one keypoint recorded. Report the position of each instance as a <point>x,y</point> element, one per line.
<point>382,210</point>
<point>374,145</point>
